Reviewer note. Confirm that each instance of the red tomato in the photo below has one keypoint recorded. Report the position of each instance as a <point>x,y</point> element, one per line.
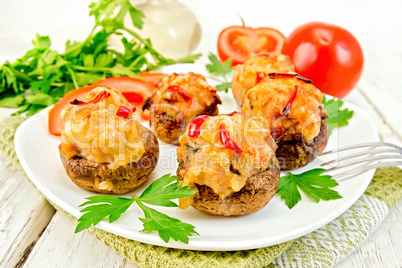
<point>135,90</point>
<point>153,78</point>
<point>55,122</point>
<point>237,42</point>
<point>327,54</point>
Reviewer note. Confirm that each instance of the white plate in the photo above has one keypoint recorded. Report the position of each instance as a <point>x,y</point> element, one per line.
<point>38,153</point>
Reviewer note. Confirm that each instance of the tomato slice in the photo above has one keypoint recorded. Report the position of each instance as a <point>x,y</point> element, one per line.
<point>153,78</point>
<point>55,122</point>
<point>133,89</point>
<point>237,42</point>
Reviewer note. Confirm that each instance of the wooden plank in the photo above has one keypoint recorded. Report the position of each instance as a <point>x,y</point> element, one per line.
<point>382,248</point>
<point>60,247</point>
<point>381,85</point>
<point>358,98</point>
<point>24,215</point>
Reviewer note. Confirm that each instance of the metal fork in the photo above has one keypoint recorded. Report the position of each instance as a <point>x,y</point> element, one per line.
<point>369,155</point>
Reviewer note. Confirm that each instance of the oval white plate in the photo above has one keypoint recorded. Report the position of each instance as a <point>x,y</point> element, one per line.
<point>38,153</point>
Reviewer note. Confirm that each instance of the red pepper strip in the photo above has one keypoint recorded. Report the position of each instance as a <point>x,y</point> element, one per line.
<point>78,102</point>
<point>194,126</point>
<point>125,111</point>
<point>233,113</point>
<point>289,75</point>
<point>288,106</point>
<point>260,76</point>
<point>101,96</point>
<point>133,98</point>
<point>227,141</point>
<point>181,92</point>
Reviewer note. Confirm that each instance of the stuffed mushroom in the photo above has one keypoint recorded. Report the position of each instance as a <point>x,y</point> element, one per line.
<point>176,100</point>
<point>230,162</point>
<point>255,69</point>
<point>103,146</point>
<point>292,109</point>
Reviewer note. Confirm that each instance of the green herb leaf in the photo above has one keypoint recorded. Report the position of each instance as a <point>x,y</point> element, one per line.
<point>167,227</point>
<point>40,99</point>
<point>223,87</point>
<point>337,117</point>
<point>159,193</point>
<point>12,102</point>
<point>41,42</point>
<point>217,67</point>
<point>189,59</point>
<point>312,183</point>
<point>102,207</point>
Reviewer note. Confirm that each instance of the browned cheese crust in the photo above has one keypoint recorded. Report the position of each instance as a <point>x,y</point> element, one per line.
<point>255,194</point>
<point>89,175</point>
<point>176,100</point>
<point>296,153</point>
<point>169,129</point>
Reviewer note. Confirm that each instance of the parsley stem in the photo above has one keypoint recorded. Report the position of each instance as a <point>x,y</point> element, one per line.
<point>136,61</point>
<point>73,77</point>
<point>146,44</point>
<point>95,69</point>
<point>21,75</point>
<point>80,45</point>
<point>216,79</point>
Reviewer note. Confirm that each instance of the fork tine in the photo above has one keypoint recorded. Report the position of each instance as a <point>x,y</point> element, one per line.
<point>367,167</point>
<point>363,153</point>
<point>381,157</point>
<point>362,145</point>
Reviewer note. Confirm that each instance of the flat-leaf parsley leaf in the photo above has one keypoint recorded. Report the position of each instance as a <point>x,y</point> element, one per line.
<point>218,68</point>
<point>158,193</point>
<point>337,117</point>
<point>312,183</point>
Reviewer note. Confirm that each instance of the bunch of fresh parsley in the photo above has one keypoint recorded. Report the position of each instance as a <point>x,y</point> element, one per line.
<point>42,76</point>
<point>158,193</point>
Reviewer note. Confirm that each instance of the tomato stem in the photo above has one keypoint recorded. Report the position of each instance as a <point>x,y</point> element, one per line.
<point>242,20</point>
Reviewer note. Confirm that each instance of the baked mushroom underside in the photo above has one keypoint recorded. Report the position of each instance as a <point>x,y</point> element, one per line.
<point>101,178</point>
<point>253,196</point>
<point>298,152</point>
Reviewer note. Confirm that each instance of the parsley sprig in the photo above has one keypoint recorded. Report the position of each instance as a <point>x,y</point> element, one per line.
<point>312,183</point>
<point>158,193</point>
<point>222,69</point>
<point>337,117</point>
<point>42,76</point>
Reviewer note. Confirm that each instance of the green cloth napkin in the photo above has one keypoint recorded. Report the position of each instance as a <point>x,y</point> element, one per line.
<point>322,248</point>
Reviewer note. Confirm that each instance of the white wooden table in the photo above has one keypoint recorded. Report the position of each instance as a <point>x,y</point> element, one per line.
<point>32,234</point>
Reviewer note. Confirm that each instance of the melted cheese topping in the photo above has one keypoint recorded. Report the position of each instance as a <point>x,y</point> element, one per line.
<point>93,131</point>
<point>209,162</point>
<point>195,85</point>
<point>270,98</point>
<point>245,75</point>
